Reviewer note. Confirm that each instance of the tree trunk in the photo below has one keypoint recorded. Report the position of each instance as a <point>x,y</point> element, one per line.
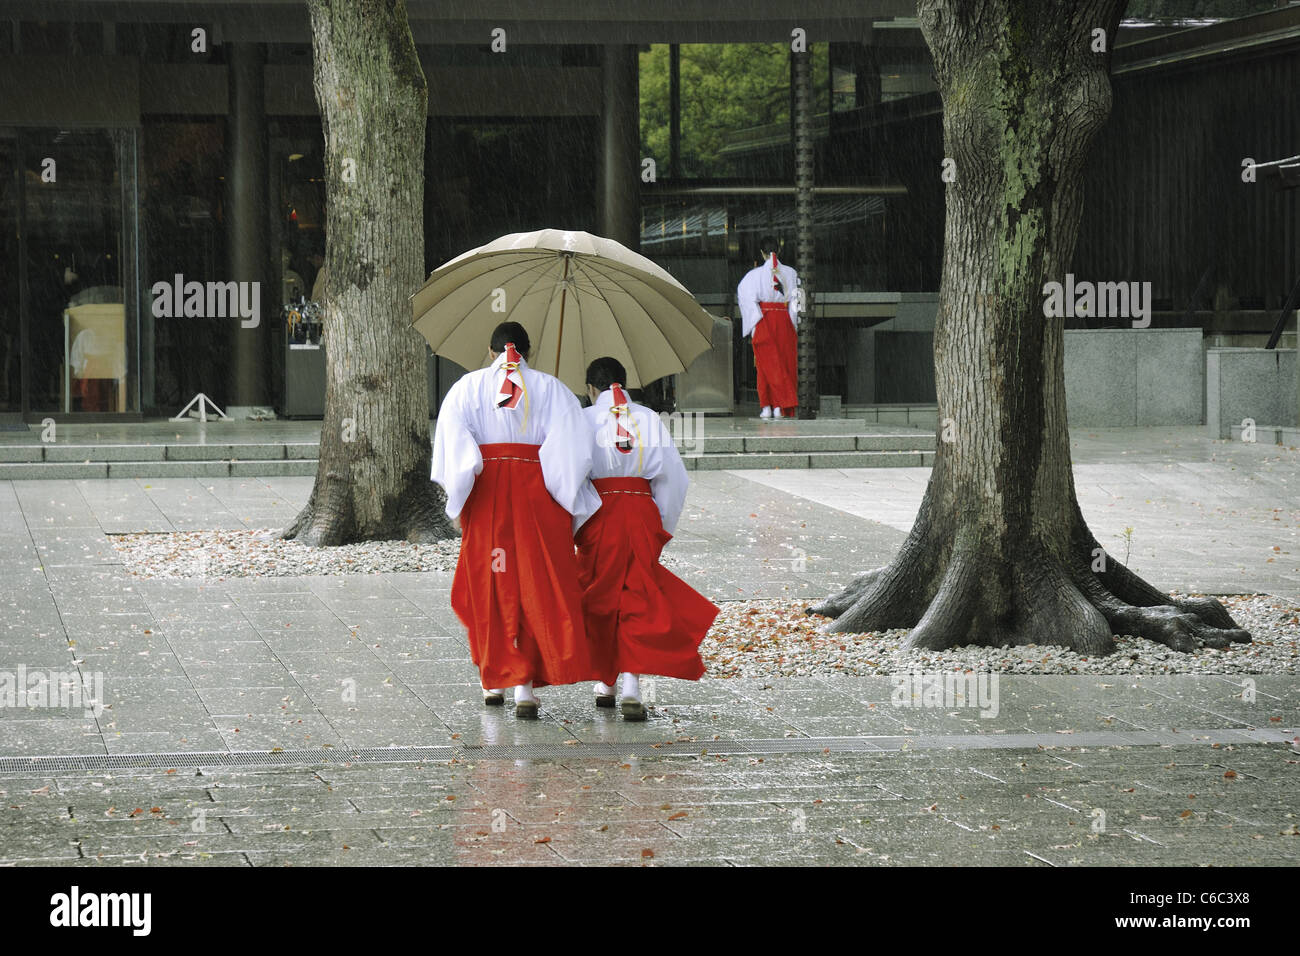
<point>1000,553</point>
<point>373,478</point>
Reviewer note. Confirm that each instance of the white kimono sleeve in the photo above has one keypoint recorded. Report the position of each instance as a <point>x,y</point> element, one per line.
<point>747,299</point>
<point>669,486</point>
<point>795,296</point>
<point>457,460</point>
<point>566,458</point>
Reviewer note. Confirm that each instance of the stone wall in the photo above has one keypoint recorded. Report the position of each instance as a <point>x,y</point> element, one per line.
<point>1255,384</point>
<point>1124,377</point>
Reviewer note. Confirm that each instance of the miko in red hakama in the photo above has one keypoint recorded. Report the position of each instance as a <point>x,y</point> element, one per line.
<point>776,355</point>
<point>512,455</point>
<point>656,620</point>
<point>651,621</point>
<point>516,583</point>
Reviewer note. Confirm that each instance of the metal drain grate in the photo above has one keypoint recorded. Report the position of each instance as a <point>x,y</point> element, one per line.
<point>236,759</point>
<point>599,751</point>
<point>48,764</point>
<point>614,751</point>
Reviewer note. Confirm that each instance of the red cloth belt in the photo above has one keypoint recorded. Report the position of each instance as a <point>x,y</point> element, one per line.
<point>510,451</point>
<point>622,486</point>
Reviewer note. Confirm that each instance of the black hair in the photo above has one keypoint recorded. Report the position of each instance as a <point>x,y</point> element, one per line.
<point>768,245</point>
<point>508,332</point>
<point>604,372</point>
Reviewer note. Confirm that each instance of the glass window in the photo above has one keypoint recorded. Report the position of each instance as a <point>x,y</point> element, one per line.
<point>298,191</point>
<point>685,228</point>
<point>181,203</point>
<point>491,178</point>
<point>906,69</point>
<point>81,328</point>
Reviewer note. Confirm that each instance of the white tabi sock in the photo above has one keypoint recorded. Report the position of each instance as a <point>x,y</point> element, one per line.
<point>524,694</point>
<point>766,412</point>
<point>603,689</point>
<point>631,687</point>
<point>776,413</point>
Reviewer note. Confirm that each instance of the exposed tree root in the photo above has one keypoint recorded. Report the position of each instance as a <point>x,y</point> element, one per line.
<point>837,604</point>
<point>1054,604</point>
<point>972,596</point>
<point>953,608</point>
<point>328,520</point>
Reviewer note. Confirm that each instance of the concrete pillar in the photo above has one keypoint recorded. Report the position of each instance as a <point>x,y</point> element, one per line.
<point>247,218</point>
<point>619,203</point>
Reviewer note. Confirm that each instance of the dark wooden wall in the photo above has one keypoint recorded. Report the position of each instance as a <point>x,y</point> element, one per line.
<point>1164,197</point>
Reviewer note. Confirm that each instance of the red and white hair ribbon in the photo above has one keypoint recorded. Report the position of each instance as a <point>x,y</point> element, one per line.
<point>625,440</point>
<point>511,387</point>
<point>776,276</point>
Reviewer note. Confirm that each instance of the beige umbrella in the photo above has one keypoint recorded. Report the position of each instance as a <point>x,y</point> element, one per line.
<point>579,296</point>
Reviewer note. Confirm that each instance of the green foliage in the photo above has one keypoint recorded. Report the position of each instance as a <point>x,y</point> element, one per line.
<point>655,104</point>
<point>725,87</point>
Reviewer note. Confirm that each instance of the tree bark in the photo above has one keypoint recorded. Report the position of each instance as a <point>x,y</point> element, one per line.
<point>1000,553</point>
<point>373,478</point>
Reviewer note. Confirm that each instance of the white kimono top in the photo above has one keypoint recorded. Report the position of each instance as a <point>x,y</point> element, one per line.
<point>469,417</point>
<point>656,458</point>
<point>756,287</point>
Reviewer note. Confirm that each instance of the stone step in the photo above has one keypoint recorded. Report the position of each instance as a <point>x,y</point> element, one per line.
<point>306,467</point>
<point>297,451</point>
<point>1287,435</point>
<point>80,454</point>
<point>822,459</point>
<point>264,468</point>
<point>735,444</point>
<point>19,462</point>
<point>916,416</point>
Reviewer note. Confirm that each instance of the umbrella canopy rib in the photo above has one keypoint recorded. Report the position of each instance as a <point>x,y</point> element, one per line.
<point>631,294</point>
<point>614,314</point>
<point>609,300</point>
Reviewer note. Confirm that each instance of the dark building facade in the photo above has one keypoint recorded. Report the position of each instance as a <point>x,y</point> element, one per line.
<point>146,142</point>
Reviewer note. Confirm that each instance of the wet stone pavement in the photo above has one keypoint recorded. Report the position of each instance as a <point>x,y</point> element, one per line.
<point>1068,771</point>
<point>248,721</point>
<point>1189,805</point>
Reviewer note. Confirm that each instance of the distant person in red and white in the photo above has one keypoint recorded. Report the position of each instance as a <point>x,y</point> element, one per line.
<point>650,620</point>
<point>768,296</point>
<point>513,451</point>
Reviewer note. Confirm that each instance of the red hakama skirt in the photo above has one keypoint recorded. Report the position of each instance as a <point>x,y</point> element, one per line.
<point>516,583</point>
<point>655,619</point>
<point>776,357</point>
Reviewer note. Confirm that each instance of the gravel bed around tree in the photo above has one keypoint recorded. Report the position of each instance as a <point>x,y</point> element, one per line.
<point>751,639</point>
<point>261,553</point>
<point>762,639</point>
